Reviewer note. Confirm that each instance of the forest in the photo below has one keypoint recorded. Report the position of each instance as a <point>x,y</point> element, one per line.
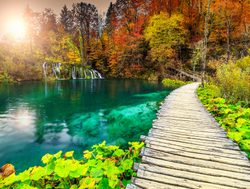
<point>134,39</point>
<point>174,42</point>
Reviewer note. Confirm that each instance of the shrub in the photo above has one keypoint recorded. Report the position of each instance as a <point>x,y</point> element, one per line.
<point>170,83</point>
<point>103,167</point>
<point>234,81</point>
<point>233,117</point>
<point>5,78</point>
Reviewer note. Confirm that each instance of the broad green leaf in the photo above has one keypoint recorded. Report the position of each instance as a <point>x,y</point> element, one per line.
<point>58,154</point>
<point>74,186</point>
<point>113,181</point>
<point>69,154</point>
<point>119,153</point>
<point>103,184</point>
<point>87,183</point>
<point>37,173</point>
<point>80,171</point>
<point>96,173</point>
<point>47,158</point>
<point>87,154</point>
<point>127,164</point>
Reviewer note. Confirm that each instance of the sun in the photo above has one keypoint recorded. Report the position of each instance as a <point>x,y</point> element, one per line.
<point>16,28</point>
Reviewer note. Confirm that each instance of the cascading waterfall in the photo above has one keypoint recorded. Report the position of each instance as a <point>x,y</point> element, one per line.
<point>73,72</point>
<point>92,75</point>
<point>77,72</point>
<point>81,73</point>
<point>98,75</point>
<point>58,68</point>
<point>45,69</point>
<point>54,71</point>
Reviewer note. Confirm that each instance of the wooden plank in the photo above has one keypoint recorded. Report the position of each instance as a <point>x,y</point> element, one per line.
<point>218,145</point>
<point>157,146</point>
<point>132,186</point>
<point>195,141</point>
<point>212,157</point>
<point>200,177</point>
<point>178,181</point>
<point>146,183</point>
<point>196,146</point>
<point>160,133</point>
<point>186,148</point>
<point>185,118</point>
<point>187,126</point>
<point>188,129</point>
<point>182,122</point>
<point>195,168</point>
<point>192,132</point>
<point>163,135</point>
<point>194,161</point>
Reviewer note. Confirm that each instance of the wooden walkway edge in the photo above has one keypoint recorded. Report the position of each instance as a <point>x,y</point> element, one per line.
<point>186,148</point>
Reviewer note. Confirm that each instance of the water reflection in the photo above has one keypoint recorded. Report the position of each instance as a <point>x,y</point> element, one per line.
<point>18,119</point>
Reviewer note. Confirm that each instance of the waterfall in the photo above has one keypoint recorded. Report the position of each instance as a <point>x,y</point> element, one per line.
<point>80,73</point>
<point>85,75</point>
<point>73,74</point>
<point>45,69</point>
<point>58,68</point>
<point>54,69</point>
<point>98,75</point>
<point>91,74</point>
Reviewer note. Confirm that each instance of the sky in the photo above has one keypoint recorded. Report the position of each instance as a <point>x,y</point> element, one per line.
<point>11,10</point>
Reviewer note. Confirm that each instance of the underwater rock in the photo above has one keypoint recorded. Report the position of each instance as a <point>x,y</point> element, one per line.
<point>7,170</point>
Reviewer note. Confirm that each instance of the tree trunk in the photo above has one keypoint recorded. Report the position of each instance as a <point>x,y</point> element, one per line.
<point>31,49</point>
<point>228,40</point>
<point>204,52</point>
<point>82,49</point>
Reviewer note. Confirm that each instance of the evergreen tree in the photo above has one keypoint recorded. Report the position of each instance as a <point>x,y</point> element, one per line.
<point>108,21</point>
<point>66,19</point>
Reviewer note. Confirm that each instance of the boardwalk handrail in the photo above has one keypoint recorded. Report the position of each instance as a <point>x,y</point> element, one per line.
<point>192,76</point>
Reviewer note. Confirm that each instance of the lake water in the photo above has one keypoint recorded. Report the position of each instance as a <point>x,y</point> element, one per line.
<point>38,118</point>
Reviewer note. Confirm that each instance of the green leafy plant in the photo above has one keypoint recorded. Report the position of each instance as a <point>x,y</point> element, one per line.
<point>171,83</point>
<point>233,117</point>
<point>104,167</point>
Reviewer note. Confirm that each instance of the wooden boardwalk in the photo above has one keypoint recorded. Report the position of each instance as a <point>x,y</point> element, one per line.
<point>186,148</point>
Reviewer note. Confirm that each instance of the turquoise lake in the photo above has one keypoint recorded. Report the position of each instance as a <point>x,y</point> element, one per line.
<point>38,118</point>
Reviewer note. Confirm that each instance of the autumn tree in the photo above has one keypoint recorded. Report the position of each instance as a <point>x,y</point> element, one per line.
<point>164,35</point>
<point>32,25</point>
<point>166,6</point>
<point>86,22</point>
<point>47,21</point>
<point>62,49</point>
<point>47,25</point>
<point>228,14</point>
